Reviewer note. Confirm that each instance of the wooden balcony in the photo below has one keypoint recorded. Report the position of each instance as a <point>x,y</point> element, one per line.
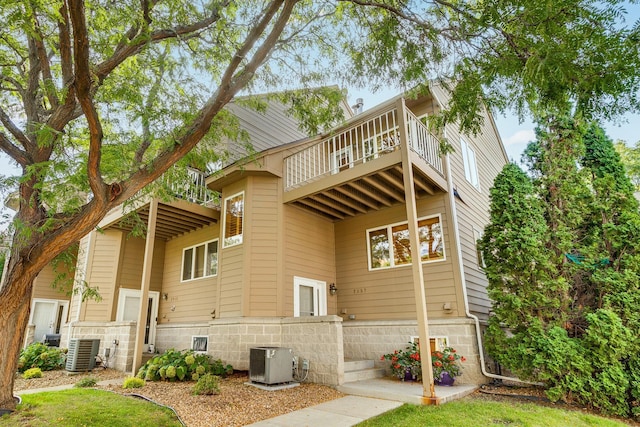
<point>194,207</point>
<point>358,168</point>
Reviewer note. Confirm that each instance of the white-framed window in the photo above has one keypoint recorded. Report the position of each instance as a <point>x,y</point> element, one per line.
<point>388,246</point>
<point>200,343</point>
<point>437,343</point>
<point>477,235</point>
<point>200,261</point>
<point>470,166</point>
<point>309,297</point>
<point>342,159</point>
<point>233,220</point>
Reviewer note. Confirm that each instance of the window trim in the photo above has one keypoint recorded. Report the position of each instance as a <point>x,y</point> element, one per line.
<point>389,228</point>
<point>320,289</point>
<point>470,164</point>
<point>236,239</point>
<point>200,337</point>
<point>193,260</point>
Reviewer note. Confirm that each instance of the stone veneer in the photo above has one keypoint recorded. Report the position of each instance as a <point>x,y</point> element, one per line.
<point>316,339</point>
<point>121,355</point>
<point>325,341</point>
<point>372,339</point>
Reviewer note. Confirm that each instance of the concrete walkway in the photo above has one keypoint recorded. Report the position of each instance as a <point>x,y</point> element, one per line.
<point>366,399</point>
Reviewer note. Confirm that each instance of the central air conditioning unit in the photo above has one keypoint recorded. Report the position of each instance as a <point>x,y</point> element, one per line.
<point>82,353</point>
<point>271,365</point>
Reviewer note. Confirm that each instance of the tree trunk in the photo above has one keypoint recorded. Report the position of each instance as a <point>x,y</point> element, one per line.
<point>15,297</point>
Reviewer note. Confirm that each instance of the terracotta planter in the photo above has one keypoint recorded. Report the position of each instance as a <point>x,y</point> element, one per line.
<point>445,379</point>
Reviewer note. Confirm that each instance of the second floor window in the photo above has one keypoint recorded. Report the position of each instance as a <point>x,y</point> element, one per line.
<point>470,166</point>
<point>233,220</point>
<point>389,245</point>
<point>200,261</point>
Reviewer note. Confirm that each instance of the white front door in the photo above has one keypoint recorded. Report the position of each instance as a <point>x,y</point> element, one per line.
<point>48,317</point>
<point>129,305</point>
<point>309,297</point>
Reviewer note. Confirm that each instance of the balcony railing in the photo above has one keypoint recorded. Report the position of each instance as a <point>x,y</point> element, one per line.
<point>359,144</point>
<point>191,187</point>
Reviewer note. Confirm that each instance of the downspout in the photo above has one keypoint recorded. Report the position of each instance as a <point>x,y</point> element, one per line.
<point>456,237</point>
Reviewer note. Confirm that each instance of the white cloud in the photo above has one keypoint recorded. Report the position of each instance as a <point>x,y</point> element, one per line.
<point>523,136</point>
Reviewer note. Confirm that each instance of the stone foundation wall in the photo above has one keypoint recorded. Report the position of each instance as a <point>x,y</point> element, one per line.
<point>316,339</point>
<point>178,336</point>
<point>121,355</point>
<point>324,341</point>
<point>372,339</point>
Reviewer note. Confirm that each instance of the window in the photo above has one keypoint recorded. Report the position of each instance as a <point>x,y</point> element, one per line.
<point>342,159</point>
<point>389,246</point>
<point>199,343</point>
<point>233,220</point>
<point>309,297</point>
<point>200,261</point>
<point>470,167</point>
<point>436,343</point>
<point>477,235</point>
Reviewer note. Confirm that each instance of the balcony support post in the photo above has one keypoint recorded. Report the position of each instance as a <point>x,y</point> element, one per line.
<point>428,387</point>
<point>145,285</point>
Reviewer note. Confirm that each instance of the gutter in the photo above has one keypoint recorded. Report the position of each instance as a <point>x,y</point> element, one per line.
<point>456,238</point>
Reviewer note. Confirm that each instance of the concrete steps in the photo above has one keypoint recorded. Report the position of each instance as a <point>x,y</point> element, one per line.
<point>360,370</point>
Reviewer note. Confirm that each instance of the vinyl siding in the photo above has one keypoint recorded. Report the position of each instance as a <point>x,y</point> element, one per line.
<point>309,252</point>
<point>103,274</point>
<point>262,230</point>
<point>232,260</point>
<point>266,129</point>
<point>193,300</point>
<point>473,210</point>
<point>388,293</point>
<point>42,286</point>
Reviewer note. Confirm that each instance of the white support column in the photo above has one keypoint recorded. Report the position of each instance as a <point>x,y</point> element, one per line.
<point>428,387</point>
<point>145,285</point>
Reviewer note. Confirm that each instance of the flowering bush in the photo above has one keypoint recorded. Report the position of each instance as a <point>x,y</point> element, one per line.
<point>407,360</point>
<point>446,361</point>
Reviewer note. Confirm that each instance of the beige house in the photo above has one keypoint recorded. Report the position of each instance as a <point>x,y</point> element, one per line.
<point>306,248</point>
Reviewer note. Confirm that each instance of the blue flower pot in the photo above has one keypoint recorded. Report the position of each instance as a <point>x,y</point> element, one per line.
<point>445,379</point>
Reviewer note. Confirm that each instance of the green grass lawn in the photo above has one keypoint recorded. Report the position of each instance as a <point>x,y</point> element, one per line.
<point>476,412</point>
<point>85,407</point>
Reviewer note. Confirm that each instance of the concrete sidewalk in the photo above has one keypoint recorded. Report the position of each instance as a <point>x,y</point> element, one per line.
<point>366,399</point>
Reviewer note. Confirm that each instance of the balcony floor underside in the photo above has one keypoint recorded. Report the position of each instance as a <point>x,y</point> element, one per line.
<point>379,190</point>
<point>173,219</point>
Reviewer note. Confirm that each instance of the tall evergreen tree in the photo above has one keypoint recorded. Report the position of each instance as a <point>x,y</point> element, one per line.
<point>588,228</point>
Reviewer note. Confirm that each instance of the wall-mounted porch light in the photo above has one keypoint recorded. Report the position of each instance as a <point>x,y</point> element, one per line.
<point>165,296</point>
<point>333,289</point>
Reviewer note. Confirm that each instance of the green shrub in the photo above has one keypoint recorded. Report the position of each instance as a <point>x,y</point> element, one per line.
<point>32,373</point>
<point>186,365</point>
<point>86,382</point>
<point>133,382</point>
<point>38,355</point>
<point>207,384</point>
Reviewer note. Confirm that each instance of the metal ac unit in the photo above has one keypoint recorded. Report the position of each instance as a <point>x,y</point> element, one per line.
<point>270,365</point>
<point>82,354</point>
